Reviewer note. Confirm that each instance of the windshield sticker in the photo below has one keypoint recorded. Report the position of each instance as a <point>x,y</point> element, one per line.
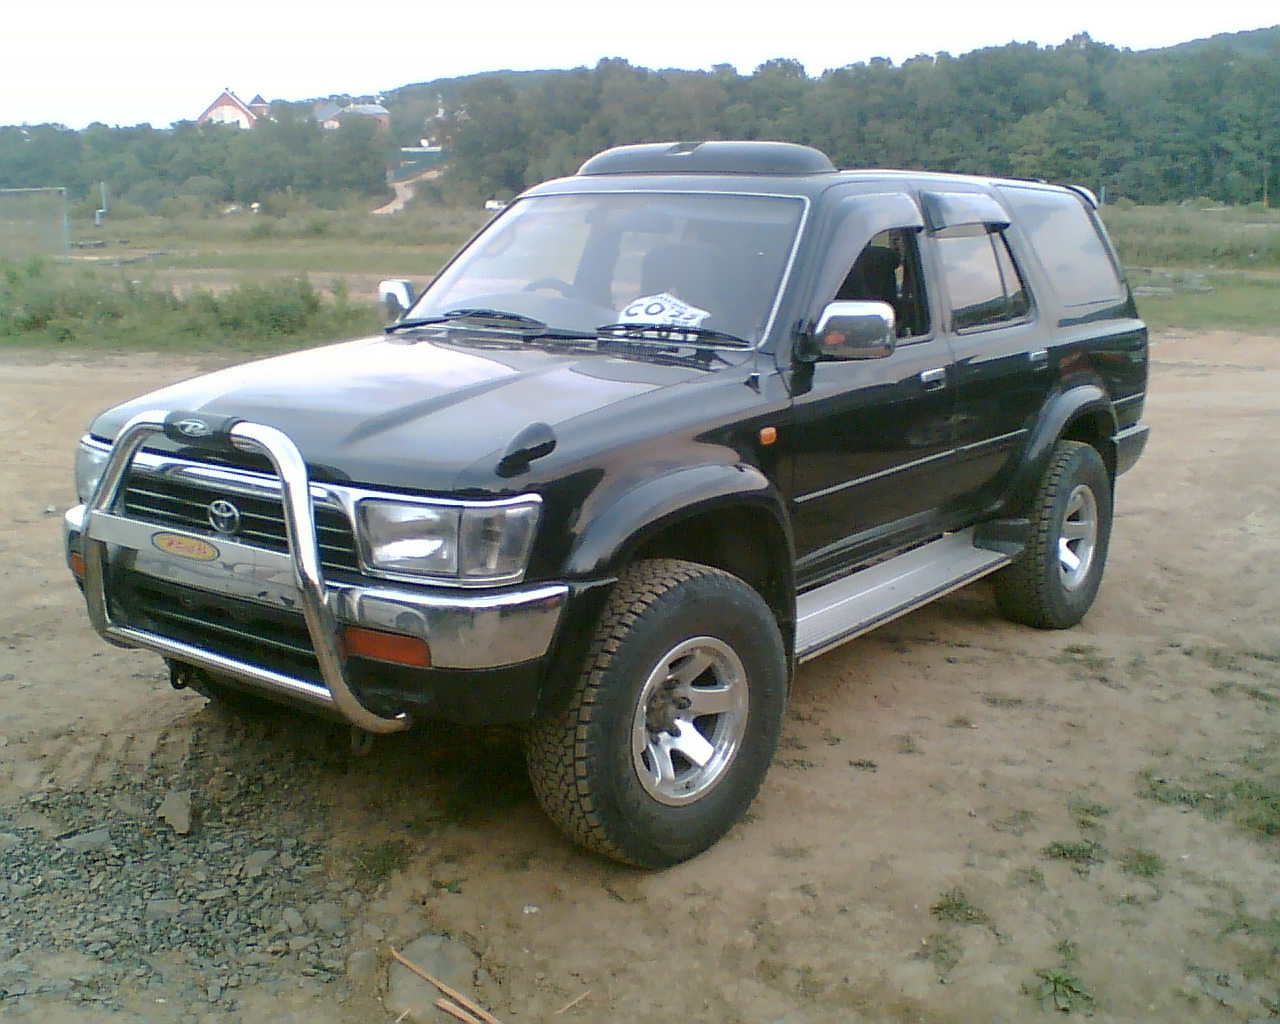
<point>665,310</point>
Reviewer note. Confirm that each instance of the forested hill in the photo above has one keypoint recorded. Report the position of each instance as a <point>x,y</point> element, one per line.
<point>1200,119</point>
<point>1258,42</point>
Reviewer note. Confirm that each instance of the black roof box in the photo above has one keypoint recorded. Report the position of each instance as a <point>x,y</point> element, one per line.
<point>709,158</point>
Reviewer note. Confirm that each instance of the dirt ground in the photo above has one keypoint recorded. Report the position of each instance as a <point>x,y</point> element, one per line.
<point>968,820</point>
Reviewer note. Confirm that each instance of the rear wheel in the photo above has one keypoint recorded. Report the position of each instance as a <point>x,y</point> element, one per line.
<point>673,722</point>
<point>1053,583</point>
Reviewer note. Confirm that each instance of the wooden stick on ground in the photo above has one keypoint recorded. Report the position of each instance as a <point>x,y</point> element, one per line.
<point>456,996</point>
<point>572,1003</point>
<point>457,1012</point>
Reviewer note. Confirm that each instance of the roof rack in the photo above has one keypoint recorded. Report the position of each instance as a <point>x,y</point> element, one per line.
<point>710,158</point>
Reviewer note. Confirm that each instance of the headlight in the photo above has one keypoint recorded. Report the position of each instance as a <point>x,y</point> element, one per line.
<point>477,544</point>
<point>91,459</point>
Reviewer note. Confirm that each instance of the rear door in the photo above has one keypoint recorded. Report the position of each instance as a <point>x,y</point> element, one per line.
<point>999,336</point>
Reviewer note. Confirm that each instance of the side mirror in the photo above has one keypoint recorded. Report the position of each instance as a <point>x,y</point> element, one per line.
<point>394,299</point>
<point>855,330</point>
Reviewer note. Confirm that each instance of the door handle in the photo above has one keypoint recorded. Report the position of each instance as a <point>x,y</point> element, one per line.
<point>935,379</point>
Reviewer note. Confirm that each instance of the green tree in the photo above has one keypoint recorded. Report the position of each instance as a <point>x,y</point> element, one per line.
<point>1066,142</point>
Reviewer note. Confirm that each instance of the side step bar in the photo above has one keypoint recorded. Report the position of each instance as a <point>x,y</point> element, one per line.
<point>846,608</point>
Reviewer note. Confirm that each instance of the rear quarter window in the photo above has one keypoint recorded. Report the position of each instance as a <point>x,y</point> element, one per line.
<point>1069,244</point>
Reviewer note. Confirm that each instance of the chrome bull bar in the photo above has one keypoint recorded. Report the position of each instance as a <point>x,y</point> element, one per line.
<point>308,576</point>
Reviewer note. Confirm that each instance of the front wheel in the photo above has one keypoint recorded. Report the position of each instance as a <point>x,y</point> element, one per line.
<point>1052,584</point>
<point>673,722</point>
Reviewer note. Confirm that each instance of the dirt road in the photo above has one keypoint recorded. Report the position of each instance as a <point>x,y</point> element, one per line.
<point>968,820</point>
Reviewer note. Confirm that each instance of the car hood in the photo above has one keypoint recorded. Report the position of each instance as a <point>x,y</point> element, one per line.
<point>403,412</point>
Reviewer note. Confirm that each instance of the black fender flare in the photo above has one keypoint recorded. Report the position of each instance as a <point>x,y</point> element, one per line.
<point>630,517</point>
<point>633,515</point>
<point>1057,419</point>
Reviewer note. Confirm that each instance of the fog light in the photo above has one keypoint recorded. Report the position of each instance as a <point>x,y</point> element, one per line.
<point>392,648</point>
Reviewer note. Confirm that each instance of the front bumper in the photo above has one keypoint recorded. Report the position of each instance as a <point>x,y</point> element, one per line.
<point>485,633</point>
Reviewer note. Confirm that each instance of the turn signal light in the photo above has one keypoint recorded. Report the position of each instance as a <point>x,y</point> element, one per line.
<point>392,648</point>
<point>77,564</point>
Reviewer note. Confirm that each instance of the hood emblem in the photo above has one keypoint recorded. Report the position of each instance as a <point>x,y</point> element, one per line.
<point>194,428</point>
<point>224,516</point>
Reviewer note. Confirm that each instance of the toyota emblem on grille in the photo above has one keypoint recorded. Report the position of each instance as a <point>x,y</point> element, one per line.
<point>224,516</point>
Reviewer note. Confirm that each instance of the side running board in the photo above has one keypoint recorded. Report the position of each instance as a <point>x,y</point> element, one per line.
<point>846,608</point>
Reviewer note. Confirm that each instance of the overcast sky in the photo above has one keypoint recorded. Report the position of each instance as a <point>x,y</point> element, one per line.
<point>158,61</point>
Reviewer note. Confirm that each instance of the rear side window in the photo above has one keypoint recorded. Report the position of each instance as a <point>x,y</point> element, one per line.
<point>983,282</point>
<point>1069,244</point>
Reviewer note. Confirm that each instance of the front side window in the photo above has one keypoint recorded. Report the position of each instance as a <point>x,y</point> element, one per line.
<point>983,283</point>
<point>888,270</point>
<point>666,259</point>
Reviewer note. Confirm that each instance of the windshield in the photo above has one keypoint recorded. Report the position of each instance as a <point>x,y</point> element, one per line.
<point>578,262</point>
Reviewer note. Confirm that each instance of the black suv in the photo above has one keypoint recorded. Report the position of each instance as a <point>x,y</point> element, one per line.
<point>659,432</point>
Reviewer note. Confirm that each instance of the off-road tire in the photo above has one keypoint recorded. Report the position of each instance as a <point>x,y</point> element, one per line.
<point>1053,583</point>
<point>586,762</point>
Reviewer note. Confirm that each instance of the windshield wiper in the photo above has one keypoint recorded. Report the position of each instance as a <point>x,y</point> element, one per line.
<point>530,328</point>
<point>671,334</point>
<point>502,319</point>
<point>524,328</point>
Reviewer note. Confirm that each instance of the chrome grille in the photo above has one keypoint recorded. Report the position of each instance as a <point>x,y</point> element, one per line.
<point>184,504</point>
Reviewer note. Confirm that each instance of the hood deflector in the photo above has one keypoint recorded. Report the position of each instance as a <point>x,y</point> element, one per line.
<point>533,442</point>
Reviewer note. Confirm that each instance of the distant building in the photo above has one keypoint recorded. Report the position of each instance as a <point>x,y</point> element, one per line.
<point>326,113</point>
<point>374,110</point>
<point>331,115</point>
<point>229,108</point>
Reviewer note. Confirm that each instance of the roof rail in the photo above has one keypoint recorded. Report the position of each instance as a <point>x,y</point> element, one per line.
<point>718,157</point>
<point>1087,194</point>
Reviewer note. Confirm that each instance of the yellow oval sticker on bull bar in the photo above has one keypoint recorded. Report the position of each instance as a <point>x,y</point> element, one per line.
<point>184,547</point>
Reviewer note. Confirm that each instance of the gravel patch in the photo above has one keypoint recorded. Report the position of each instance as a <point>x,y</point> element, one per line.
<point>187,884</point>
<point>236,901</point>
